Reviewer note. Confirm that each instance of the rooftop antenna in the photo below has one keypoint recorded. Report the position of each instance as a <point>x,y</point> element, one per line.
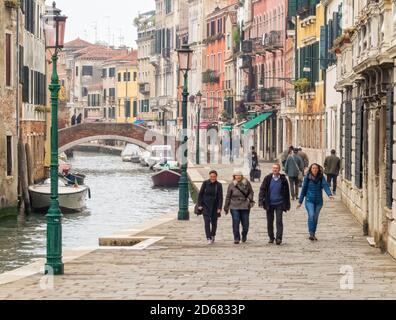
<point>121,38</point>
<point>108,29</point>
<point>95,27</point>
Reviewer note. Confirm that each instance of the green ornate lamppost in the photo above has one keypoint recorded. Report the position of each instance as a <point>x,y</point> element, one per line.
<point>54,29</point>
<point>185,57</point>
<point>197,136</point>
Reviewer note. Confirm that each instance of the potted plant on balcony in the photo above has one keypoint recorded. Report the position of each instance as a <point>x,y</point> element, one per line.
<point>12,3</point>
<point>241,111</point>
<point>301,85</point>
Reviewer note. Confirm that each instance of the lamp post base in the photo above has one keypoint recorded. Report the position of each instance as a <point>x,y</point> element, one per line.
<point>56,269</point>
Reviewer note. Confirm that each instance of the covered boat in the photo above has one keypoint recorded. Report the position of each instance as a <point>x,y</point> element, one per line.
<point>71,198</point>
<point>166,179</point>
<point>131,153</point>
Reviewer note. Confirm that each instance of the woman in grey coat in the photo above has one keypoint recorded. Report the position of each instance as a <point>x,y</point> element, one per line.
<point>239,200</point>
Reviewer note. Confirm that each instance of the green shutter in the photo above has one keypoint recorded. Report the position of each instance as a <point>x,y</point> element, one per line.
<point>292,8</point>
<point>135,109</point>
<point>323,47</point>
<point>315,62</point>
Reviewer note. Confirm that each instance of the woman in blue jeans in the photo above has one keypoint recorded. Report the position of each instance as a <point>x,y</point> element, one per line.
<point>239,200</point>
<point>312,191</point>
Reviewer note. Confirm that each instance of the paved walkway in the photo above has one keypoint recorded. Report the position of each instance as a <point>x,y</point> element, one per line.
<point>183,266</point>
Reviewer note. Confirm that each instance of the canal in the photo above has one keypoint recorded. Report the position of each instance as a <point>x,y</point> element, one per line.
<point>122,195</point>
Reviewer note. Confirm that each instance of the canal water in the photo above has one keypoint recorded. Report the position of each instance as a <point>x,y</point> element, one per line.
<point>122,195</point>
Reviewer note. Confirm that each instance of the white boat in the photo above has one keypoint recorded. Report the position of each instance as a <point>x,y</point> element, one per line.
<point>131,153</point>
<point>165,164</point>
<point>144,158</point>
<point>159,153</point>
<point>71,198</point>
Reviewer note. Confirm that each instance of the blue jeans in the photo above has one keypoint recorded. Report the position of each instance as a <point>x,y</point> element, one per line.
<point>240,217</point>
<point>313,210</point>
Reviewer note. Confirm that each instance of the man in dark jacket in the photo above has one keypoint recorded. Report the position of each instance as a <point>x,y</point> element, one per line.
<point>332,169</point>
<point>275,199</point>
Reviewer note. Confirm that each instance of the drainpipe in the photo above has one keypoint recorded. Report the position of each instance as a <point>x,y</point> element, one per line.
<point>17,75</point>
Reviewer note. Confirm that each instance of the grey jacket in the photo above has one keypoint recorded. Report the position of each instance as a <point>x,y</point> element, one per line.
<point>235,200</point>
<point>332,165</point>
<point>293,165</point>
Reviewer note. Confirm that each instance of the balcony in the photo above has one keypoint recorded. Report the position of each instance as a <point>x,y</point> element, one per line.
<point>155,60</point>
<point>144,88</point>
<point>272,41</point>
<point>210,114</point>
<point>210,77</point>
<point>271,95</point>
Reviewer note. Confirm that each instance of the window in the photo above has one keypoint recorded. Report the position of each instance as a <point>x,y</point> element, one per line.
<point>219,66</point>
<point>212,28</point>
<point>119,77</point>
<point>127,76</point>
<point>168,6</point>
<point>9,155</point>
<point>112,72</point>
<point>84,92</point>
<point>220,26</point>
<point>104,95</point>
<point>127,108</point>
<point>8,59</point>
<point>112,94</point>
<point>134,108</point>
<point>207,30</point>
<point>135,76</point>
<point>76,71</point>
<point>87,71</point>
<point>228,42</point>
<point>104,73</point>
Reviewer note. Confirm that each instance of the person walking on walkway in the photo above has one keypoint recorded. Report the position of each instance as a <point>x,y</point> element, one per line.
<point>294,169</point>
<point>285,155</point>
<point>210,203</point>
<point>253,163</point>
<point>312,191</point>
<point>239,200</point>
<point>332,167</point>
<point>304,157</point>
<point>275,199</point>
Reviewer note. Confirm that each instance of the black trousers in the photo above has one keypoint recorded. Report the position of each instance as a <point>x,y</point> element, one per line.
<point>334,178</point>
<point>210,225</point>
<point>271,212</point>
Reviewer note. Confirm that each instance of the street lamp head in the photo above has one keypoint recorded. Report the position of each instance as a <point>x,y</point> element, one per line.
<point>54,27</point>
<point>185,58</point>
<point>199,97</point>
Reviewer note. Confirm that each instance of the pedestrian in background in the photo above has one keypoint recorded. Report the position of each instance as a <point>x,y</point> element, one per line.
<point>285,155</point>
<point>210,203</point>
<point>253,163</point>
<point>312,191</point>
<point>294,169</point>
<point>332,166</point>
<point>275,199</point>
<point>304,157</point>
<point>239,200</point>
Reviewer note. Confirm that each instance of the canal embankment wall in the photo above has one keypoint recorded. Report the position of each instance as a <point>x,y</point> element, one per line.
<point>91,147</point>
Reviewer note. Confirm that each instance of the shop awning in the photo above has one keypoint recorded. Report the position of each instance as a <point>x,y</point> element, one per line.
<point>256,121</point>
<point>138,122</point>
<point>227,128</point>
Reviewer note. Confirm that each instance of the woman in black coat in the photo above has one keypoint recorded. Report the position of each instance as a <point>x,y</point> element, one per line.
<point>210,202</point>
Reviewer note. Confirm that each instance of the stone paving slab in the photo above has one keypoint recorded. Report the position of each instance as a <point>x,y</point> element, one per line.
<point>183,266</point>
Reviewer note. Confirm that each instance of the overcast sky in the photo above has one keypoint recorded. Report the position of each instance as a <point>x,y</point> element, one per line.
<point>113,19</point>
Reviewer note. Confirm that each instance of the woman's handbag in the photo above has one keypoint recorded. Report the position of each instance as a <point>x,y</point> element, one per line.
<point>197,211</point>
<point>252,203</point>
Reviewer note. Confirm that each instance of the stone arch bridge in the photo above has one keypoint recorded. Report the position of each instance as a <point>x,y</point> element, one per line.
<point>86,132</point>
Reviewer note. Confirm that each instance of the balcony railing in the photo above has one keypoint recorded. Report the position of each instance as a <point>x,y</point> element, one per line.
<point>272,40</point>
<point>144,88</point>
<point>210,114</point>
<point>271,95</point>
<point>210,76</point>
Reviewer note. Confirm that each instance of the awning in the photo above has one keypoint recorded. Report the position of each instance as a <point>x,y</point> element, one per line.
<point>138,122</point>
<point>226,128</point>
<point>256,121</point>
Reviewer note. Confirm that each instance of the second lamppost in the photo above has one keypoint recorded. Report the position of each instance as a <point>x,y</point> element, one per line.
<point>54,28</point>
<point>197,136</point>
<point>185,56</point>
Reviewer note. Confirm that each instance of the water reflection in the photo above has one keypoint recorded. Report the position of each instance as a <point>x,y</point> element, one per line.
<point>122,195</point>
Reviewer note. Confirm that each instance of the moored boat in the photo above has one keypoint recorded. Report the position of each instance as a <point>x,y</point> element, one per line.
<point>131,153</point>
<point>166,179</point>
<point>75,178</point>
<point>71,198</point>
<point>165,164</point>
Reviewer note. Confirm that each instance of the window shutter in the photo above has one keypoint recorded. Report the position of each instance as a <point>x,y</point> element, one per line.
<point>389,148</point>
<point>335,25</point>
<point>323,47</point>
<point>292,8</point>
<point>348,140</point>
<point>26,84</point>
<point>315,62</point>
<point>359,143</point>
